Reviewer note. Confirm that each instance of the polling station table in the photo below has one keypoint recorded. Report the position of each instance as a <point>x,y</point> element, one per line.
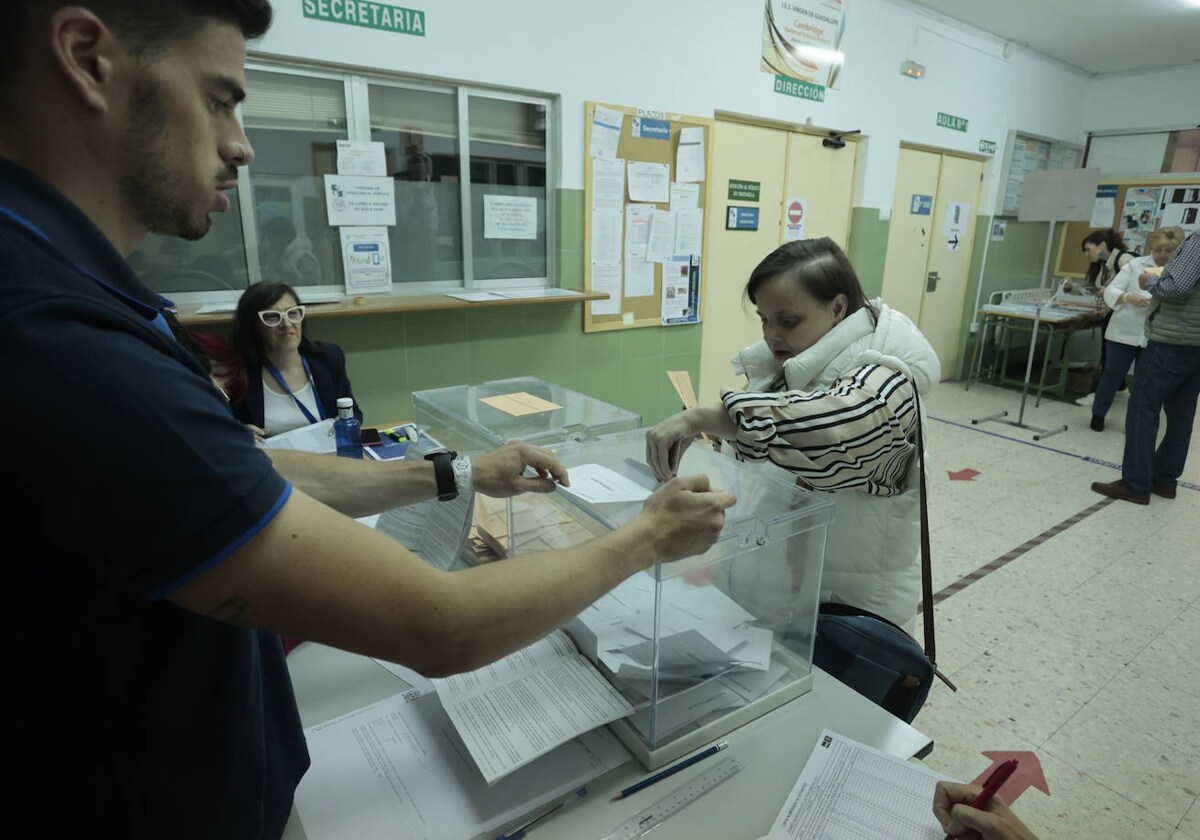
<point>772,750</point>
<point>1010,321</point>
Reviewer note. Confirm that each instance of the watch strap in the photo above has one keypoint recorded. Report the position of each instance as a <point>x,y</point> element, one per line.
<point>443,472</point>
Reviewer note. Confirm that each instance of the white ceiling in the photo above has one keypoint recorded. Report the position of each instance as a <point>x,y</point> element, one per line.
<point>1099,36</point>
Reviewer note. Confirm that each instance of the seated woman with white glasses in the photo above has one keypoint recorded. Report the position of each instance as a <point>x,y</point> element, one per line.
<point>292,381</point>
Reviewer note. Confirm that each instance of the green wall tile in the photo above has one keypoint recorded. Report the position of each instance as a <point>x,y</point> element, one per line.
<point>641,343</point>
<point>601,380</point>
<point>642,384</point>
<point>600,346</point>
<point>683,339</point>
<point>868,247</point>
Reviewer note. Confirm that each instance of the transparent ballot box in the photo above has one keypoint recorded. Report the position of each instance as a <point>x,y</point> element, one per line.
<point>478,418</point>
<point>702,645</point>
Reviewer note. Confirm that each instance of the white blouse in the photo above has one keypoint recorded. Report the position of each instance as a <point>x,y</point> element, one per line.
<point>1128,324</point>
<point>280,412</point>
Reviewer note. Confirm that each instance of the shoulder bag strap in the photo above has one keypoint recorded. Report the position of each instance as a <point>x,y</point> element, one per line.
<point>926,569</point>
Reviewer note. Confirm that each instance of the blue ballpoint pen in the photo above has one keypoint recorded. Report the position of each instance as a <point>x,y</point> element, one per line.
<point>519,832</point>
<point>672,770</point>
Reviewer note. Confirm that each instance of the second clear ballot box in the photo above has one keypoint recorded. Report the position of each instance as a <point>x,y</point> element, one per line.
<point>478,418</point>
<point>702,645</point>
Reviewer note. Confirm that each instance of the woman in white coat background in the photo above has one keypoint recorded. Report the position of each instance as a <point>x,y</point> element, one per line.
<point>1125,335</point>
<point>831,399</point>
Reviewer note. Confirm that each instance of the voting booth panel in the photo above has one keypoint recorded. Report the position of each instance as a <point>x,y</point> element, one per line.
<point>703,645</point>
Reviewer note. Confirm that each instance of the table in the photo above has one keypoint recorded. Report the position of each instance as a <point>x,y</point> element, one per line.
<point>1018,319</point>
<point>772,749</point>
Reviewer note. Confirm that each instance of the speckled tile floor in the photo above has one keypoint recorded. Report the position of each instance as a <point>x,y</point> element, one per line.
<point>1084,648</point>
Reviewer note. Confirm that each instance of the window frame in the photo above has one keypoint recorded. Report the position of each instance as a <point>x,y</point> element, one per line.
<point>356,83</point>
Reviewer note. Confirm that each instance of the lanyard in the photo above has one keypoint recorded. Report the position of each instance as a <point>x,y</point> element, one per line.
<point>158,320</point>
<point>274,371</point>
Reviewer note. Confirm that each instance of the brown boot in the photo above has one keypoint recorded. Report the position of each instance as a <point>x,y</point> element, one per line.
<point>1167,491</point>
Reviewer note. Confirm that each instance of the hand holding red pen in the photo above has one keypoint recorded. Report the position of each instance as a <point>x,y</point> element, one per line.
<point>969,812</point>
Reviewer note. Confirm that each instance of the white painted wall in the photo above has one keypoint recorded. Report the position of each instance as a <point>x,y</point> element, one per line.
<point>703,56</point>
<point>1144,100</point>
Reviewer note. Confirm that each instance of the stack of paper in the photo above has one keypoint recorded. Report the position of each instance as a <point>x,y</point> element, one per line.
<point>514,710</point>
<point>398,768</point>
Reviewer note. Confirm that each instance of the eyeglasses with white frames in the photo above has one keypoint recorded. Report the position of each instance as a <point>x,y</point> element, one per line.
<point>274,317</point>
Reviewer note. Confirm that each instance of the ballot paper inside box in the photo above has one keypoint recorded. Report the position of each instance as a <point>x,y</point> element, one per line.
<point>478,418</point>
<point>702,645</point>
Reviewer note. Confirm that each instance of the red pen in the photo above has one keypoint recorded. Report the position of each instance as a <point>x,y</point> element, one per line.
<point>994,782</point>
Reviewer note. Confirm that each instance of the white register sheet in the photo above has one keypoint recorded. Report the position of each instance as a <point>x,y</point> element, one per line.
<point>849,790</point>
<point>397,768</point>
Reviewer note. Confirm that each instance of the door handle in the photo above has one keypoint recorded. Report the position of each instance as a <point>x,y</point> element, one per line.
<point>931,281</point>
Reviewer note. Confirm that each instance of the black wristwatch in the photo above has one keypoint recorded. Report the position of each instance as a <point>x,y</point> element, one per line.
<point>443,471</point>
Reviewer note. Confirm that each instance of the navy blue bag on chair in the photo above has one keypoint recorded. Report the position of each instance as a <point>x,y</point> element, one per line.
<point>875,657</point>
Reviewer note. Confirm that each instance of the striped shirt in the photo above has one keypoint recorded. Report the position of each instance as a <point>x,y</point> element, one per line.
<point>859,433</point>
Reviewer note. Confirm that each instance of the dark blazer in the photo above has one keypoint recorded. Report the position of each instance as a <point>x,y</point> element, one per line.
<point>328,366</point>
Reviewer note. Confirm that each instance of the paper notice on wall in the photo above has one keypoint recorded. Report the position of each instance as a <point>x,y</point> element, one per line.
<point>607,278</point>
<point>606,236</point>
<point>608,184</point>
<point>649,181</point>
<point>1103,211</point>
<point>366,260</point>
<point>794,213</point>
<point>360,157</point>
<point>661,245</point>
<point>606,132</point>
<point>958,215</point>
<point>680,289</point>
<point>689,157</point>
<point>639,274</point>
<point>510,217</point>
<point>689,229</point>
<point>1181,206</point>
<point>637,225</point>
<point>360,201</point>
<point>684,196</point>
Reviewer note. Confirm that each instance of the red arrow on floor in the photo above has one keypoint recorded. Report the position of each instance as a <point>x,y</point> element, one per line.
<point>1028,774</point>
<point>962,475</point>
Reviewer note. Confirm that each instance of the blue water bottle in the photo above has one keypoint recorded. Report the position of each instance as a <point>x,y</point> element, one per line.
<point>346,430</point>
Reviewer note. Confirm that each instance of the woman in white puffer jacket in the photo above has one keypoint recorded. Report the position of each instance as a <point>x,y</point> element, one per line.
<point>830,399</point>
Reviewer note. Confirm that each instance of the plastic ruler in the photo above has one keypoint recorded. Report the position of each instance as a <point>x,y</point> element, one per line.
<point>674,802</point>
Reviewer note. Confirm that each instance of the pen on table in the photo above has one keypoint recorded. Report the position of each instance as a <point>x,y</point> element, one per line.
<point>521,830</point>
<point>672,770</point>
<point>999,777</point>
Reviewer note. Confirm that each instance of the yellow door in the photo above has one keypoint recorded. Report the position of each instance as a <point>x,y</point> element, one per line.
<point>910,231</point>
<point>821,181</point>
<point>742,153</point>
<point>950,257</point>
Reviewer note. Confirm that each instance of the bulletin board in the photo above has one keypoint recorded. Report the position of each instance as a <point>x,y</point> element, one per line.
<point>657,142</point>
<point>1175,198</point>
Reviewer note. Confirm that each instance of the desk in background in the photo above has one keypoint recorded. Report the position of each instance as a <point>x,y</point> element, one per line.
<point>772,749</point>
<point>1017,319</point>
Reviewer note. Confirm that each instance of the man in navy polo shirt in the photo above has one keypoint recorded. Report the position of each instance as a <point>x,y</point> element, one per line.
<point>153,551</point>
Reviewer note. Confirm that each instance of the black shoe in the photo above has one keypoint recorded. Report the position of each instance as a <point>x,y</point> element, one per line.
<point>1167,491</point>
<point>1097,423</point>
<point>1121,387</point>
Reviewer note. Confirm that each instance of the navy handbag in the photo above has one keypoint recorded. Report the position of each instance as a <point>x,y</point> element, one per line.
<point>875,657</point>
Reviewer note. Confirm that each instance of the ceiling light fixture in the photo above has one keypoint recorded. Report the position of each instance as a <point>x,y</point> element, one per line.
<point>912,70</point>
